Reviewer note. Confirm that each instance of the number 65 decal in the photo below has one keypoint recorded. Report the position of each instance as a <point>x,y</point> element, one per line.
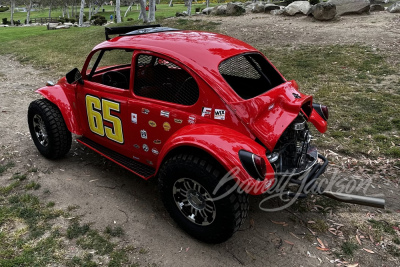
<point>99,111</point>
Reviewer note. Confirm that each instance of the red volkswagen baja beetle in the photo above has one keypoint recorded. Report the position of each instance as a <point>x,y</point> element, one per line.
<point>206,114</point>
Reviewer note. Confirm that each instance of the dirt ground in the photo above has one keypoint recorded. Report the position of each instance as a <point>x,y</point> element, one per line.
<point>108,195</point>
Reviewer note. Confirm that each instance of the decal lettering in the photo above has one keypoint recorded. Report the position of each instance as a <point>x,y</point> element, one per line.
<point>145,148</point>
<point>99,111</point>
<point>134,118</point>
<point>192,120</point>
<point>154,151</point>
<point>157,142</point>
<point>145,111</point>
<point>136,146</point>
<point>164,113</point>
<point>149,162</point>
<point>166,126</point>
<point>135,158</point>
<point>206,112</point>
<point>219,114</point>
<point>178,121</point>
<point>152,123</point>
<point>143,134</point>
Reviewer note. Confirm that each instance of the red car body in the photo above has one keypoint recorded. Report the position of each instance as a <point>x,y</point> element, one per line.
<point>264,117</point>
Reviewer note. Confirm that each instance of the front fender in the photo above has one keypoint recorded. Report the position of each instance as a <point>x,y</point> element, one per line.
<point>223,144</point>
<point>318,121</point>
<point>64,99</point>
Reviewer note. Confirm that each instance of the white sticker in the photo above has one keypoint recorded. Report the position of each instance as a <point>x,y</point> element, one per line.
<point>143,134</point>
<point>206,112</point>
<point>155,151</point>
<point>145,148</point>
<point>135,158</point>
<point>134,118</point>
<point>219,114</point>
<point>192,120</point>
<point>164,113</point>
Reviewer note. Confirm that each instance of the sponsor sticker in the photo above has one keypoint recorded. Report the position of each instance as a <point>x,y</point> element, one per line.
<point>219,114</point>
<point>136,146</point>
<point>145,148</point>
<point>164,113</point>
<point>145,111</point>
<point>157,141</point>
<point>166,126</point>
<point>178,121</point>
<point>134,118</point>
<point>143,134</point>
<point>192,120</point>
<point>206,112</point>
<point>152,123</point>
<point>149,162</point>
<point>154,151</point>
<point>135,158</point>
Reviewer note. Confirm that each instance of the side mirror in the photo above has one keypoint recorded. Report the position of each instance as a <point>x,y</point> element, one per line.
<point>74,76</point>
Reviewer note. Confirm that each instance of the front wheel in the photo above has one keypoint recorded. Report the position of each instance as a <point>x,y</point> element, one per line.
<point>187,185</point>
<point>48,130</point>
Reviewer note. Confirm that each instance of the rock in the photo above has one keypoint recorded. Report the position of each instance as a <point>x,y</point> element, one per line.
<point>68,24</point>
<point>234,9</point>
<point>269,7</point>
<point>277,11</point>
<point>62,27</point>
<point>372,2</point>
<point>376,7</point>
<point>344,7</point>
<point>207,10</point>
<point>180,14</point>
<point>297,7</point>
<point>219,10</point>
<point>52,26</point>
<point>395,8</point>
<point>323,11</point>
<point>258,8</point>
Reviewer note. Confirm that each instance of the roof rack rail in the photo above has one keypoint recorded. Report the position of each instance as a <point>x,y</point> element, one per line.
<point>126,29</point>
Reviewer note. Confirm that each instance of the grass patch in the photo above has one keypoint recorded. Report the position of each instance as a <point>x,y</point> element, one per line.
<point>382,226</point>
<point>319,226</point>
<point>93,240</point>
<point>6,166</point>
<point>349,248</point>
<point>114,232</point>
<point>32,186</point>
<point>75,229</point>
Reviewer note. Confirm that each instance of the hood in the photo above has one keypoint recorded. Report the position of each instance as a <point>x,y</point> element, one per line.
<point>268,115</point>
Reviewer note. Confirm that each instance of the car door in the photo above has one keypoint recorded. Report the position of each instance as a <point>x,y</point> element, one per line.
<point>103,99</point>
<point>165,100</point>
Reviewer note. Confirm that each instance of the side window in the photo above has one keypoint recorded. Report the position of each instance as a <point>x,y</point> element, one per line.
<point>111,67</point>
<point>160,79</point>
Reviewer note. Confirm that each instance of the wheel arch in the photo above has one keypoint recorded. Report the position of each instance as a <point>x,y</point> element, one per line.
<point>64,100</point>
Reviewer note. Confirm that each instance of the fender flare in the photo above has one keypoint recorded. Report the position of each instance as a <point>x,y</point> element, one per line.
<point>64,99</point>
<point>223,144</point>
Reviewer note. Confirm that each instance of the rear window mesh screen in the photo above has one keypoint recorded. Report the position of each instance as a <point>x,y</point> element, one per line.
<point>250,75</point>
<point>162,80</point>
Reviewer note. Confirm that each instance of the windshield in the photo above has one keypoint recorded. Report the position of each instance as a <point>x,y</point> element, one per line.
<point>250,75</point>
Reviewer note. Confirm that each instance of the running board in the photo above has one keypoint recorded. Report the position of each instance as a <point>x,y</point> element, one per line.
<point>137,168</point>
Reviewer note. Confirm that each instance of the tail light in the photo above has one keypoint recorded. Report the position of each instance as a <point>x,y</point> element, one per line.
<point>322,111</point>
<point>253,164</point>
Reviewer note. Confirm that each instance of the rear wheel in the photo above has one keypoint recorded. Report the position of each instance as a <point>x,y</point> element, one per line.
<point>48,129</point>
<point>187,185</point>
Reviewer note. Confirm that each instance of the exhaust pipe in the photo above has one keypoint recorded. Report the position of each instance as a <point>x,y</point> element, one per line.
<point>355,199</point>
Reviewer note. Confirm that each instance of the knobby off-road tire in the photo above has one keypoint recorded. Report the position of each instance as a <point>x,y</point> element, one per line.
<point>48,130</point>
<point>186,184</point>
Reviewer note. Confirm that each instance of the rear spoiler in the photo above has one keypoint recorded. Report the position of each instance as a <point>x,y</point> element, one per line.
<point>126,29</point>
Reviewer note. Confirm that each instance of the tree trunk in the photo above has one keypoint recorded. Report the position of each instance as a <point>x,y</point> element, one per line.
<point>81,13</point>
<point>28,13</point>
<point>12,11</point>
<point>129,9</point>
<point>152,10</point>
<point>170,3</point>
<point>50,10</point>
<point>118,10</point>
<point>143,14</point>
<point>189,9</point>
<point>90,10</point>
<point>208,3</point>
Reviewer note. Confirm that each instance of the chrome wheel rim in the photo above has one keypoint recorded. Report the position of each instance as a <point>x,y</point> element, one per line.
<point>40,130</point>
<point>194,201</point>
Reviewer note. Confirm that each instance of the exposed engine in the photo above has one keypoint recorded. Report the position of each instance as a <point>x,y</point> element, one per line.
<point>293,154</point>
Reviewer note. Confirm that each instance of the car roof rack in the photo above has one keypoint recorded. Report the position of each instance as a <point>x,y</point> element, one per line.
<point>136,30</point>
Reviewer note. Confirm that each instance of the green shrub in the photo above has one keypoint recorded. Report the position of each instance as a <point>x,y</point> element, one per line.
<point>313,2</point>
<point>72,21</point>
<point>4,8</point>
<point>4,21</point>
<point>129,19</point>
